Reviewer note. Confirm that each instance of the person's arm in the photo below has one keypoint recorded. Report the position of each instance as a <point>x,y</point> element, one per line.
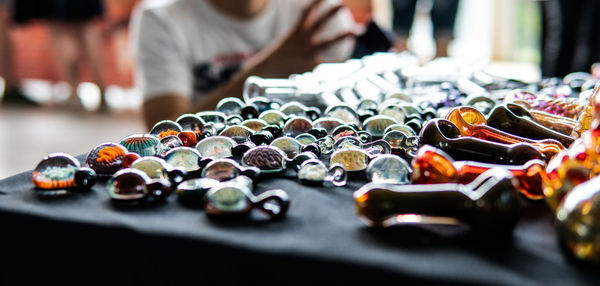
<point>296,52</point>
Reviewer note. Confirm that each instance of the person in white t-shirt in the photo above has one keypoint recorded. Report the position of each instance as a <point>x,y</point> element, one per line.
<point>192,53</point>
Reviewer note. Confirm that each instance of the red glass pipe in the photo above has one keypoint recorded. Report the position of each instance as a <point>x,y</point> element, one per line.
<point>434,166</point>
<point>471,122</point>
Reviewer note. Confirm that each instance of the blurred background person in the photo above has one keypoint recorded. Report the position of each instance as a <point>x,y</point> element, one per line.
<point>193,53</point>
<point>443,16</point>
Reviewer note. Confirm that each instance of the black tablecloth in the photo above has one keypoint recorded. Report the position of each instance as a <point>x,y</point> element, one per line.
<point>86,236</point>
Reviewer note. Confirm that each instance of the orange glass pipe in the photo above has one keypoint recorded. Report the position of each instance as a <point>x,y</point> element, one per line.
<point>471,122</point>
<point>434,166</point>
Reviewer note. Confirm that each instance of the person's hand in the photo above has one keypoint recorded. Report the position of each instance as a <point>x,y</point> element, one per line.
<point>298,51</point>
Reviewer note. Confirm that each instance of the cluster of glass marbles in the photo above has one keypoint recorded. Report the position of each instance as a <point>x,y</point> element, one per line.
<point>439,143</point>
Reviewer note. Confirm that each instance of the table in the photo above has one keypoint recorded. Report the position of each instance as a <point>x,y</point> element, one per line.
<point>85,236</point>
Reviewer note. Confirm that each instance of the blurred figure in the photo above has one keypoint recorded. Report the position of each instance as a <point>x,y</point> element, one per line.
<point>12,86</point>
<point>443,15</point>
<point>570,42</point>
<point>193,53</point>
<point>77,40</point>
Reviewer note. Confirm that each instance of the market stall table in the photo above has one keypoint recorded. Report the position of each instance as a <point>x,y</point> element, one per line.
<point>321,239</point>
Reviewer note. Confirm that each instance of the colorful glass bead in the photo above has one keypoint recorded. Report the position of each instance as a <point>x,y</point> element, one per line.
<point>306,138</point>
<point>290,146</point>
<point>142,144</point>
<point>389,169</point>
<point>106,158</point>
<point>60,171</point>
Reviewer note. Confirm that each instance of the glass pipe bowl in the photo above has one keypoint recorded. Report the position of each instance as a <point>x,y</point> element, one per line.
<point>60,171</point>
<point>314,172</point>
<point>142,144</point>
<point>106,158</point>
<point>389,169</point>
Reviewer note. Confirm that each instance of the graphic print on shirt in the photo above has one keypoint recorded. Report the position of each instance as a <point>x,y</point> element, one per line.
<point>210,75</point>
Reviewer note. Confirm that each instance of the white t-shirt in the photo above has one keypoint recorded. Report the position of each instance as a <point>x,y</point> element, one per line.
<point>190,48</point>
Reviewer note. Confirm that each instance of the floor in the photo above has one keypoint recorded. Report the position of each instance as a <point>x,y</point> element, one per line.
<point>32,133</point>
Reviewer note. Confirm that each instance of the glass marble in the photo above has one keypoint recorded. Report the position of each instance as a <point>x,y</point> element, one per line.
<point>238,133</point>
<point>184,157</point>
<point>254,124</point>
<point>376,125</point>
<point>142,144</point>
<point>577,221</point>
<point>275,117</point>
<point>165,128</point>
<point>106,158</point>
<point>60,171</point>
<point>389,169</point>
<point>155,168</point>
<point>216,147</point>
<point>296,126</point>
<point>230,106</point>
<point>227,169</point>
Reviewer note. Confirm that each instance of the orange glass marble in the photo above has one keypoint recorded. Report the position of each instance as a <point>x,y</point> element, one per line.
<point>471,122</point>
<point>434,166</point>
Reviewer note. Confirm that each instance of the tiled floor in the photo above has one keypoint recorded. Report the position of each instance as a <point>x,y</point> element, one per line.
<point>29,134</point>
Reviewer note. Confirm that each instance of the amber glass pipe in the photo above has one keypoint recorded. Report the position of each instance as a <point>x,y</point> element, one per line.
<point>516,120</point>
<point>488,204</point>
<point>471,122</point>
<point>445,135</point>
<point>434,166</point>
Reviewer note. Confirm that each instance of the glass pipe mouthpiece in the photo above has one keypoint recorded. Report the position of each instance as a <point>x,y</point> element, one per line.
<point>434,166</point>
<point>577,221</point>
<point>445,135</point>
<point>489,204</point>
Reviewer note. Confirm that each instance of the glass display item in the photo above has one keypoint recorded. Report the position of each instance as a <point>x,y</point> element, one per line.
<point>482,103</point>
<point>165,128</point>
<point>326,144</point>
<point>185,157</point>
<point>471,122</point>
<point>516,120</point>
<point>376,125</point>
<point>296,126</point>
<point>566,107</point>
<point>393,110</point>
<point>274,117</point>
<point>577,221</point>
<point>389,169</point>
<point>216,147</point>
<point>134,186</point>
<point>402,128</point>
<point>188,138</point>
<point>230,106</point>
<point>564,125</point>
<point>59,173</point>
<point>218,119</point>
<point>314,172</point>
<point>227,169</point>
<point>142,144</point>
<point>254,124</point>
<point>191,122</point>
<point>270,159</point>
<point>445,135</point>
<point>157,168</point>
<point>348,130</point>
<point>262,103</point>
<point>353,159</point>
<point>169,142</point>
<point>298,109</point>
<point>344,113</point>
<point>106,158</point>
<point>238,133</point>
<point>401,144</point>
<point>434,166</point>
<point>193,191</point>
<point>327,123</point>
<point>292,147</point>
<point>351,142</point>
<point>489,204</point>
<point>306,138</point>
<point>234,199</point>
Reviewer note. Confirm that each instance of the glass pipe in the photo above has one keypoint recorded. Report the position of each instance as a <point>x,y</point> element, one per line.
<point>184,157</point>
<point>234,199</point>
<point>165,128</point>
<point>344,113</point>
<point>471,122</point>
<point>216,147</point>
<point>433,166</point>
<point>58,173</point>
<point>238,133</point>
<point>292,147</point>
<point>488,204</point>
<point>557,123</point>
<point>193,123</point>
<point>314,172</point>
<point>270,159</point>
<point>401,144</point>
<point>142,144</point>
<point>106,158</point>
<point>516,120</point>
<point>167,143</point>
<point>577,221</point>
<point>234,106</point>
<point>351,142</point>
<point>387,168</point>
<point>194,191</point>
<point>254,124</point>
<point>298,109</point>
<point>445,135</point>
<point>227,169</point>
<point>296,126</point>
<point>133,186</point>
<point>327,123</point>
<point>376,125</point>
<point>482,103</point>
